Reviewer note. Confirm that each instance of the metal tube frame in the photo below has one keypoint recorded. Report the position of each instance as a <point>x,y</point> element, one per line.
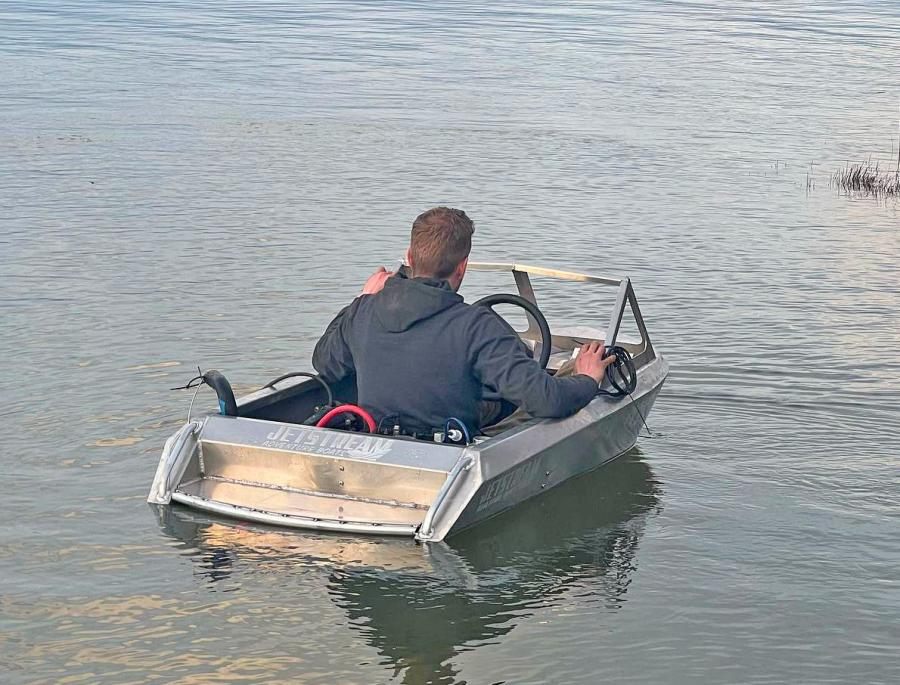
<point>168,473</point>
<point>426,530</point>
<point>624,297</point>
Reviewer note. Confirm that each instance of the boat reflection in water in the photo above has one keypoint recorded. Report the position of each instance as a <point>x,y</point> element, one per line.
<point>419,605</point>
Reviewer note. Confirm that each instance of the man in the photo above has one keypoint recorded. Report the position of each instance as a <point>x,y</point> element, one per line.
<point>421,355</point>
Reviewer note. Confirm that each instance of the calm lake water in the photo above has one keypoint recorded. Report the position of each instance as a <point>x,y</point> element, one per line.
<point>187,183</point>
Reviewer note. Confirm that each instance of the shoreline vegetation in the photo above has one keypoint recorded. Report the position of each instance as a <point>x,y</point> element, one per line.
<point>867,178</point>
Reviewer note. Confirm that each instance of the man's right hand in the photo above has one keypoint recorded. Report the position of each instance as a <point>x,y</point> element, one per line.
<point>591,362</point>
<point>376,281</point>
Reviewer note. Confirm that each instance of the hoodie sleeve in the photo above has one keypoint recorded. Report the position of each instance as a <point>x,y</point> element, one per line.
<point>332,357</point>
<point>499,361</point>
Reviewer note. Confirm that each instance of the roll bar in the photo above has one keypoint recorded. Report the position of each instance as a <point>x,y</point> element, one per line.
<point>642,352</point>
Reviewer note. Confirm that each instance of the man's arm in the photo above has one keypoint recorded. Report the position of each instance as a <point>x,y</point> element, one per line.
<point>332,357</point>
<point>501,363</point>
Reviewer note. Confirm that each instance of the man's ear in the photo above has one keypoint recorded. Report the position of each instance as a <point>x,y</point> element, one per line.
<point>460,272</point>
<point>409,258</point>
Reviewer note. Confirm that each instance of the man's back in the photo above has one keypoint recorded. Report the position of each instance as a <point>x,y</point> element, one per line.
<point>422,355</point>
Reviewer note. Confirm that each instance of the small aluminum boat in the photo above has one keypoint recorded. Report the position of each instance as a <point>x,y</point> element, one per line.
<point>256,460</point>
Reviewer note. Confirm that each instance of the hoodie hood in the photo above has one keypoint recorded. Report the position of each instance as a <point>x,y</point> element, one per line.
<point>404,301</point>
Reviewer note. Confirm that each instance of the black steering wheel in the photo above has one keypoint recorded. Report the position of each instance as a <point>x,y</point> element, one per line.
<point>531,308</point>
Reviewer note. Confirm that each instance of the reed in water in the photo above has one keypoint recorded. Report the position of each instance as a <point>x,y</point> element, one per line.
<point>868,179</point>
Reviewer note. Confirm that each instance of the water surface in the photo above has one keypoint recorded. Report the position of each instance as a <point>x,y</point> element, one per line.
<point>188,183</point>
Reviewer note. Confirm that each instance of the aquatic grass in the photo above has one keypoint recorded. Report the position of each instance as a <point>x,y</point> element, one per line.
<point>866,178</point>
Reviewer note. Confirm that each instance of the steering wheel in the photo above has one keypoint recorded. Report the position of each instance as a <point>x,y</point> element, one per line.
<point>531,308</point>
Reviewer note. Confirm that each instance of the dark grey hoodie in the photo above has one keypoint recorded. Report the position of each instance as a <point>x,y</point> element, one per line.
<point>419,352</point>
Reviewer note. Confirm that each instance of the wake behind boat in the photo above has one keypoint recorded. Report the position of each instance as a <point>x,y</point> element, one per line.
<point>257,460</point>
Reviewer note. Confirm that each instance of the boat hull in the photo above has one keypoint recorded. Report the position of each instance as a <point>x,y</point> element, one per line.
<point>538,456</point>
<point>300,477</point>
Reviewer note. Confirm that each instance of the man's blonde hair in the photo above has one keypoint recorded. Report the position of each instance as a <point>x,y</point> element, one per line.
<point>441,238</point>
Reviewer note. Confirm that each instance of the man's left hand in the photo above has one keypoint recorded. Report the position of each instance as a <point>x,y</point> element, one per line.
<point>376,281</point>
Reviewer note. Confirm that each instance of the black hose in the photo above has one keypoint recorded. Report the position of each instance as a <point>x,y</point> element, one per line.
<point>218,382</point>
<point>305,374</point>
<point>621,374</point>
